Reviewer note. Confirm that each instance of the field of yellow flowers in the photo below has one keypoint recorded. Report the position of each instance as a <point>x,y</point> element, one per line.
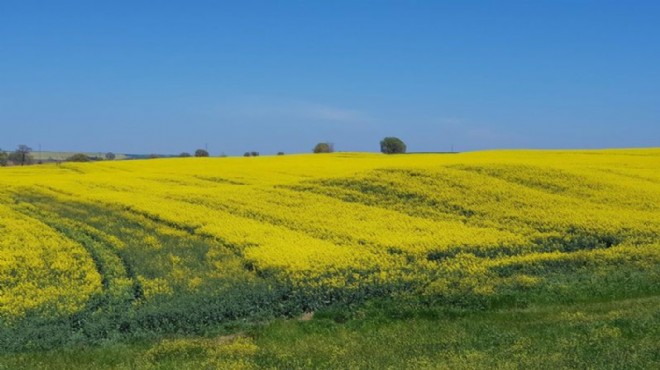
<point>92,251</point>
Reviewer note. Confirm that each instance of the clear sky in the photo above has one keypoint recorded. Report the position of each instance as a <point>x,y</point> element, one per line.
<point>139,76</point>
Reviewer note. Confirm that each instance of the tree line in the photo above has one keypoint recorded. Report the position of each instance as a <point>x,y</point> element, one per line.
<point>23,154</point>
<point>389,145</point>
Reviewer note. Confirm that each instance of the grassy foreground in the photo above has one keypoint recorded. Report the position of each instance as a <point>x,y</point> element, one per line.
<point>611,335</point>
<point>487,259</point>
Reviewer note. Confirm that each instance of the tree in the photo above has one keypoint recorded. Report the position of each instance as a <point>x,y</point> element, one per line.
<point>110,156</point>
<point>254,154</point>
<point>324,148</point>
<point>22,155</point>
<point>280,153</point>
<point>4,158</point>
<point>201,153</point>
<point>184,155</point>
<point>79,157</point>
<point>246,154</point>
<point>392,145</point>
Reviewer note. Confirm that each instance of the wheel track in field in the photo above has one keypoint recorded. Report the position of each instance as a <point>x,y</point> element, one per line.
<point>120,285</point>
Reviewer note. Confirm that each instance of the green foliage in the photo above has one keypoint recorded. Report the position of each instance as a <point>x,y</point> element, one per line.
<point>201,153</point>
<point>110,156</point>
<point>184,155</point>
<point>132,252</point>
<point>79,157</point>
<point>392,145</point>
<point>393,335</point>
<point>4,158</point>
<point>324,148</point>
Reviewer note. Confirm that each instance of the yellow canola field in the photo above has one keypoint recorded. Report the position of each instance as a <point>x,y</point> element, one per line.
<point>347,220</point>
<point>40,270</point>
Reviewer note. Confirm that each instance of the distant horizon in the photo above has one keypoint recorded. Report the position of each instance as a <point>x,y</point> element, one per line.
<point>224,154</point>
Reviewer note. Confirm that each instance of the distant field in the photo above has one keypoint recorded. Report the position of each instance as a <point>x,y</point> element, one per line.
<point>193,248</point>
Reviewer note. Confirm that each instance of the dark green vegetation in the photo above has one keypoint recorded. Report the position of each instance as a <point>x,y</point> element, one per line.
<point>132,252</point>
<point>201,153</point>
<point>324,148</point>
<point>392,145</point>
<point>79,157</point>
<point>609,335</point>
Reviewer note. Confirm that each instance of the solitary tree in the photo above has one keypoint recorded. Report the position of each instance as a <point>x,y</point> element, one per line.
<point>201,153</point>
<point>110,156</point>
<point>254,154</point>
<point>324,148</point>
<point>246,154</point>
<point>22,155</point>
<point>392,145</point>
<point>280,153</point>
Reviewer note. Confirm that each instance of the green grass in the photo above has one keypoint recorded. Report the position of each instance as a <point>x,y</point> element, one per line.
<point>609,335</point>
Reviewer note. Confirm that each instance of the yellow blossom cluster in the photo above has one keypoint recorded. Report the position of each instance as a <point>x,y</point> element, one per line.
<point>40,270</point>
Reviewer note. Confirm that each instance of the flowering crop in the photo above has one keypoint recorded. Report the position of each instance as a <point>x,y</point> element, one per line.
<point>41,270</point>
<point>439,226</point>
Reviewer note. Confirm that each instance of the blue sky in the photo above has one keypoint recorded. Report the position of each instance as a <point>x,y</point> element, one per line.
<point>170,76</point>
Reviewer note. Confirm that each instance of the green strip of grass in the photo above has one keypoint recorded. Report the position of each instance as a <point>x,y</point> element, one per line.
<point>610,335</point>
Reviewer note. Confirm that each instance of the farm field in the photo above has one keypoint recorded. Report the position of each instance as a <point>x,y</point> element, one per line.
<point>482,259</point>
